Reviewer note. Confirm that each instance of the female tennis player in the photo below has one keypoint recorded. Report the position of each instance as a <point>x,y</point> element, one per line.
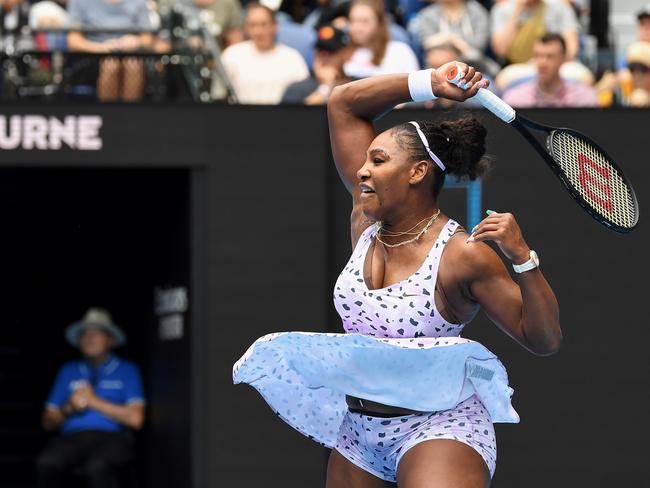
<point>401,397</point>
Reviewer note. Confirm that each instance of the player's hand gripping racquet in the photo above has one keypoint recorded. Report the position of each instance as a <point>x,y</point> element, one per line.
<point>592,178</point>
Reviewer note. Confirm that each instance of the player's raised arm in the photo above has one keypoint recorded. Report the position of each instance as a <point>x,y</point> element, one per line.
<point>352,108</point>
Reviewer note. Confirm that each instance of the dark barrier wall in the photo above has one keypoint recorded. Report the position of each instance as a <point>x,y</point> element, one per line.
<point>269,231</point>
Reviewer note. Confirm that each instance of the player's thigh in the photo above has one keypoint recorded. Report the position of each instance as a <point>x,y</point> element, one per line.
<point>442,463</point>
<point>341,473</point>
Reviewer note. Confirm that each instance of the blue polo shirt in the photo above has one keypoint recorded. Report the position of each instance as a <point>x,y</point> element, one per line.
<point>117,381</point>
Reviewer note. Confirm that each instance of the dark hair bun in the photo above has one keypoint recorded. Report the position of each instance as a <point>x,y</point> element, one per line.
<point>465,155</point>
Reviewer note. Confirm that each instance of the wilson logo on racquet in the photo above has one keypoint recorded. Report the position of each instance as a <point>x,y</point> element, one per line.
<point>595,182</point>
<point>599,187</point>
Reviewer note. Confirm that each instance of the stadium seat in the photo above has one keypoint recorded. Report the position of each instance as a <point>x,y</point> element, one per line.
<point>409,8</point>
<point>299,37</point>
<point>399,33</point>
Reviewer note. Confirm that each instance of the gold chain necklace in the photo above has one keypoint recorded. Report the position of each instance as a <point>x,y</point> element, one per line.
<point>424,230</point>
<point>390,233</point>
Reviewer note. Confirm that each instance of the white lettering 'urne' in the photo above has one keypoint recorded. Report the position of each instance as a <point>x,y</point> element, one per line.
<point>39,132</point>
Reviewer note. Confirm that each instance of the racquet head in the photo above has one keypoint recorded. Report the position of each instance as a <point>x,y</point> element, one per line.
<point>594,179</point>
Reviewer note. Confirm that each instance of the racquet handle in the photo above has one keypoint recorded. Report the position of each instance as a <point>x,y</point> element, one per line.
<point>488,99</point>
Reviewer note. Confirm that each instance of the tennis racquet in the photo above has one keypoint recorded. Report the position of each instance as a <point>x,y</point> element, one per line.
<point>590,175</point>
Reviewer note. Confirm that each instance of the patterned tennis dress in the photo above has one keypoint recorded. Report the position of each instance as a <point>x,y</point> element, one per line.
<point>398,350</point>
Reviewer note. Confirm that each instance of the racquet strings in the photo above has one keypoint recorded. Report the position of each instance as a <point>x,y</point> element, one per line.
<point>595,178</point>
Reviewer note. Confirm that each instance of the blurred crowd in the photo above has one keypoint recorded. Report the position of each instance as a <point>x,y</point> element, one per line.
<point>537,53</point>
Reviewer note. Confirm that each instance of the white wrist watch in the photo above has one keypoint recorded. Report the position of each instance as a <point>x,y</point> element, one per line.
<point>532,263</point>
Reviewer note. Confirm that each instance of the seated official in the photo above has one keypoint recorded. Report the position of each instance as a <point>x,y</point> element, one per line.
<point>94,403</point>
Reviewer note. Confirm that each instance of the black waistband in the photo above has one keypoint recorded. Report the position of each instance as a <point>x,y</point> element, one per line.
<point>376,414</point>
<point>374,409</point>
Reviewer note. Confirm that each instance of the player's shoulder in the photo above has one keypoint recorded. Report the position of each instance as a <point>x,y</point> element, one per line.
<point>470,258</point>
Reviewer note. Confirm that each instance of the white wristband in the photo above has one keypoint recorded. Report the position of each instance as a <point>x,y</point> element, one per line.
<point>532,263</point>
<point>420,85</point>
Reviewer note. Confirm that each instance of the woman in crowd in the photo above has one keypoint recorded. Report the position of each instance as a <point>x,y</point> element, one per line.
<point>375,52</point>
<point>464,22</point>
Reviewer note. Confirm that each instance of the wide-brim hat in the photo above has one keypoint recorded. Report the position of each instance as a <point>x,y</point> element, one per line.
<point>95,318</point>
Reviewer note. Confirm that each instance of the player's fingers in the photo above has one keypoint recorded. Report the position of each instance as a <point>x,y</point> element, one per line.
<point>481,230</point>
<point>492,219</point>
<point>487,227</point>
<point>476,86</point>
<point>470,80</point>
<point>486,236</point>
<point>478,76</point>
<point>469,75</point>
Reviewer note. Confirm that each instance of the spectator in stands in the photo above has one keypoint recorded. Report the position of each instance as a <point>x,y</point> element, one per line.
<point>548,89</point>
<point>618,86</point>
<point>119,78</point>
<point>440,50</point>
<point>93,403</point>
<point>227,15</point>
<point>259,69</point>
<point>47,15</point>
<point>331,52</point>
<point>638,62</point>
<point>375,52</point>
<point>467,52</point>
<point>13,16</point>
<point>329,12</point>
<point>466,20</point>
<point>518,24</point>
<point>643,29</point>
<point>224,18</point>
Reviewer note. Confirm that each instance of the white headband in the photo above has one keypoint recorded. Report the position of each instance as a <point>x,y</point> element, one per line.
<point>435,158</point>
